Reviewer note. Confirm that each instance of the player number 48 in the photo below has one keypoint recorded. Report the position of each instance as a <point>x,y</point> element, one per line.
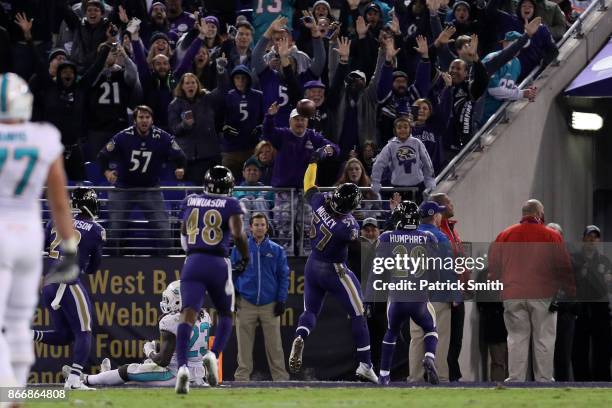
<point>212,233</point>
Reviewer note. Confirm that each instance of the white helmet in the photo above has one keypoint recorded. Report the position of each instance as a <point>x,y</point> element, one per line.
<point>171,298</point>
<point>15,97</point>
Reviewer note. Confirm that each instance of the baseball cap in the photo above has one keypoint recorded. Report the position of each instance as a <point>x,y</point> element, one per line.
<point>252,161</point>
<point>314,84</point>
<point>370,221</point>
<point>159,35</point>
<point>212,19</point>
<point>592,228</point>
<point>429,208</point>
<point>293,114</point>
<point>357,74</point>
<point>511,36</point>
<point>157,3</point>
<point>55,52</point>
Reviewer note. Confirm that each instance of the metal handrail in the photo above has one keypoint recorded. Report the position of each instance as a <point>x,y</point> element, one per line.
<point>469,147</point>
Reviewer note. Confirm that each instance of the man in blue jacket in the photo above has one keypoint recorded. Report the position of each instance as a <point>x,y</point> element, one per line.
<point>431,217</point>
<point>263,290</point>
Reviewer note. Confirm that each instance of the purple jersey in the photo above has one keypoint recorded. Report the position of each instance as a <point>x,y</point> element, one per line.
<point>330,233</point>
<point>140,158</point>
<point>413,243</point>
<point>91,237</point>
<point>206,223</point>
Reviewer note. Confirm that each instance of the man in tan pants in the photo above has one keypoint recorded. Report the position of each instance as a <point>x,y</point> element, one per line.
<point>530,320</point>
<point>417,349</point>
<point>262,287</point>
<point>532,263</point>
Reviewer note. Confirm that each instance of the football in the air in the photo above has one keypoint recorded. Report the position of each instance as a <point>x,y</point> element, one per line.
<point>306,107</point>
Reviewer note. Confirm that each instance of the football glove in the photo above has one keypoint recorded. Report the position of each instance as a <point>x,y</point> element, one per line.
<point>67,269</point>
<point>229,131</point>
<point>240,266</point>
<point>318,155</point>
<point>149,347</point>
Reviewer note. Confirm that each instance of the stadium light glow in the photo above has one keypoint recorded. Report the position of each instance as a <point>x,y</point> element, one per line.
<point>586,121</point>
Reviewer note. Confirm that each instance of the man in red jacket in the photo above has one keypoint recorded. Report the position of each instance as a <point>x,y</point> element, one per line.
<point>532,262</point>
<point>447,226</point>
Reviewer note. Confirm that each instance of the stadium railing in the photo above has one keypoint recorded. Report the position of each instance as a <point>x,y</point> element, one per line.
<point>500,116</point>
<point>131,233</point>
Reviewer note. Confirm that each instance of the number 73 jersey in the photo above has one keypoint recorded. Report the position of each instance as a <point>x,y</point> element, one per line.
<point>330,233</point>
<point>27,150</point>
<point>206,222</point>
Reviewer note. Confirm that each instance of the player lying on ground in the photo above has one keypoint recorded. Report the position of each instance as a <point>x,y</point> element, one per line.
<point>405,219</point>
<point>208,219</point>
<point>333,228</point>
<point>69,303</point>
<point>161,366</point>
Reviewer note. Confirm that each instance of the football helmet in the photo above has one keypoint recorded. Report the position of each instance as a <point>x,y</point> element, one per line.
<point>406,215</point>
<point>171,298</point>
<point>219,180</point>
<point>85,200</point>
<point>15,98</point>
<point>345,198</point>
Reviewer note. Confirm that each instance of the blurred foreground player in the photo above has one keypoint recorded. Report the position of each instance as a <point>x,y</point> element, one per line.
<point>161,365</point>
<point>418,244</point>
<point>333,228</point>
<point>208,220</point>
<point>30,156</point>
<point>69,303</point>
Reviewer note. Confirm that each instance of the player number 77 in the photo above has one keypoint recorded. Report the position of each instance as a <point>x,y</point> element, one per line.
<point>19,154</point>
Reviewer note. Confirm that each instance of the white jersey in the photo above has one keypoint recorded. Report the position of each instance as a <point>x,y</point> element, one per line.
<point>27,150</point>
<point>198,342</point>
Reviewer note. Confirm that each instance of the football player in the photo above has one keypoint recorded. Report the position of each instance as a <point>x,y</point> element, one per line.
<point>69,303</point>
<point>406,220</point>
<point>209,220</point>
<point>30,156</point>
<point>160,367</point>
<point>333,228</point>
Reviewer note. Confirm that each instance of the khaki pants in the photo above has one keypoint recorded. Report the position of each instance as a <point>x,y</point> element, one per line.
<point>246,321</point>
<point>530,320</point>
<point>417,349</point>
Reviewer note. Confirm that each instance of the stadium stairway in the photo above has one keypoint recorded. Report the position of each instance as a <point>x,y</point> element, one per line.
<point>531,154</point>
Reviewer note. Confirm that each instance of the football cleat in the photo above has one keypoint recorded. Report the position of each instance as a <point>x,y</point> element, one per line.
<point>212,368</point>
<point>366,373</point>
<point>75,383</point>
<point>105,365</point>
<point>295,358</point>
<point>182,381</point>
<point>384,379</point>
<point>431,374</point>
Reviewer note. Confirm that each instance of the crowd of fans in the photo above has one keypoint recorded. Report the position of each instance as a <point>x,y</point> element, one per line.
<point>399,86</point>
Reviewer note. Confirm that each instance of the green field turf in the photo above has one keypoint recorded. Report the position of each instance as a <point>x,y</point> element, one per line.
<point>339,397</point>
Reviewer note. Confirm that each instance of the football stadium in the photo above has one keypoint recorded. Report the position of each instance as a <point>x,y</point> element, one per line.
<point>298,203</point>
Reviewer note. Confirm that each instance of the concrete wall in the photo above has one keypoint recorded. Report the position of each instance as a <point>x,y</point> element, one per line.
<point>534,155</point>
